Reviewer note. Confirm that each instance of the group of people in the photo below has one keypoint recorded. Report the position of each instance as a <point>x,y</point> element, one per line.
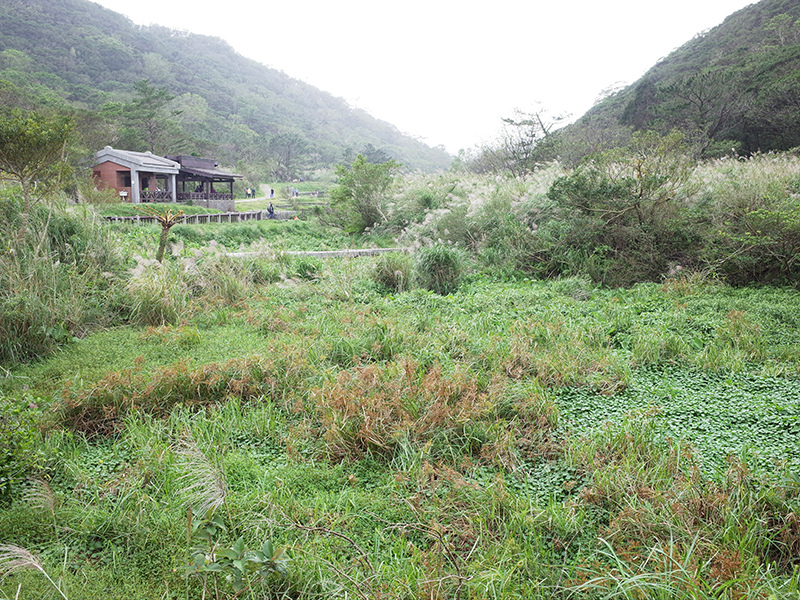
<point>251,193</point>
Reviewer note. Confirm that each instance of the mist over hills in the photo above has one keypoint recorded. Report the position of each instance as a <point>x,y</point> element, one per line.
<point>77,56</point>
<point>734,87</point>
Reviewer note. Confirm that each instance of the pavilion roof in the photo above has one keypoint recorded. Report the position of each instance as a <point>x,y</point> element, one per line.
<point>208,173</point>
<point>202,167</point>
<point>141,161</point>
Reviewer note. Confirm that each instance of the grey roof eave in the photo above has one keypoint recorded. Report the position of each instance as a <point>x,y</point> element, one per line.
<point>139,161</point>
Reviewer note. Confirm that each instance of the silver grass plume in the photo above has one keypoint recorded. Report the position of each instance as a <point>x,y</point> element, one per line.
<point>203,483</point>
<point>14,558</point>
<point>41,495</point>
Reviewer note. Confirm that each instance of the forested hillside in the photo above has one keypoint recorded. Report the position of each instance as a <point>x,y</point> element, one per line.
<point>116,77</point>
<point>734,87</point>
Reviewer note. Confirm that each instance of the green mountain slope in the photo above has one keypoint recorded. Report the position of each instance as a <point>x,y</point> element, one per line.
<point>734,86</point>
<point>77,54</point>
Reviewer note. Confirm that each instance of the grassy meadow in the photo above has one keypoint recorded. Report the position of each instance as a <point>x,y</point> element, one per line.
<point>442,424</point>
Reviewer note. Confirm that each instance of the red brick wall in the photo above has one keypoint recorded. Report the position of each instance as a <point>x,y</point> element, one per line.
<point>105,175</point>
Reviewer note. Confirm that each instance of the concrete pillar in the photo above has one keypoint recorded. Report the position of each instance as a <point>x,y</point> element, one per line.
<point>135,199</point>
<point>173,187</point>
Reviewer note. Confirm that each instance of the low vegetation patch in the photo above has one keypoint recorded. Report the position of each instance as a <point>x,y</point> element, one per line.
<point>437,424</point>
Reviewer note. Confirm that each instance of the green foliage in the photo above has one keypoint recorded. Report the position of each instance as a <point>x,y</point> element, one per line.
<point>729,89</point>
<point>358,201</point>
<point>242,567</point>
<point>33,150</point>
<point>19,450</point>
<point>755,233</point>
<point>439,268</point>
<point>301,235</point>
<point>626,205</point>
<point>306,267</point>
<point>392,272</point>
<point>56,285</point>
<point>524,145</point>
<point>127,209</point>
<point>146,121</point>
<point>413,437</point>
<point>167,219</point>
<point>157,295</point>
<point>289,152</point>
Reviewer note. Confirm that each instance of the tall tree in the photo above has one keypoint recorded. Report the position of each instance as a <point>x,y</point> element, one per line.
<point>524,141</point>
<point>33,154</point>
<point>707,103</point>
<point>358,199</point>
<point>148,120</point>
<point>375,155</point>
<point>289,151</point>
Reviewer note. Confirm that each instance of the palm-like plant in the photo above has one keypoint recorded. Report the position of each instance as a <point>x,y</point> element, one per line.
<point>167,218</point>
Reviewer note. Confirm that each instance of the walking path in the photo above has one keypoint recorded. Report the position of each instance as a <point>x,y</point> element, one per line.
<point>328,253</point>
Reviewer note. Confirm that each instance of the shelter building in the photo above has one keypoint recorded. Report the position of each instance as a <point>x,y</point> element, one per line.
<point>145,177</point>
<point>203,182</point>
<point>137,176</point>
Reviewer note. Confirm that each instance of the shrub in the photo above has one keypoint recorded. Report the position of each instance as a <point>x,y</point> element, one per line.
<point>157,295</point>
<point>439,268</point>
<point>19,448</point>
<point>755,219</point>
<point>627,202</point>
<point>307,267</point>
<point>392,272</point>
<point>55,282</point>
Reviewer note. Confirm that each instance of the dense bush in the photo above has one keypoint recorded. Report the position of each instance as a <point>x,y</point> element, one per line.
<point>392,272</point>
<point>754,213</point>
<point>56,282</point>
<point>439,268</point>
<point>643,212</point>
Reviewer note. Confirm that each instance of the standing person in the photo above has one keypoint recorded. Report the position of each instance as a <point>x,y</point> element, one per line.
<point>271,211</point>
<point>271,193</point>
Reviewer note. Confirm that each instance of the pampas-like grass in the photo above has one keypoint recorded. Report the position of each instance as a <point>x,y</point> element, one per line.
<point>203,483</point>
<point>13,559</point>
<point>41,495</point>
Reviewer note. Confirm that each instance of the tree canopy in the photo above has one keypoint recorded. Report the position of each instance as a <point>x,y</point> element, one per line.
<point>152,86</point>
<point>33,152</point>
<point>358,199</point>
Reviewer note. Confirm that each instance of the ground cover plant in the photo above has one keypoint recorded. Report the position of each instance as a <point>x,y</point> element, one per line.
<point>433,424</point>
<point>335,438</point>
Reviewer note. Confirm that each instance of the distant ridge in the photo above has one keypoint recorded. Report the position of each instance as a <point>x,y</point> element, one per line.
<point>77,54</point>
<point>734,87</point>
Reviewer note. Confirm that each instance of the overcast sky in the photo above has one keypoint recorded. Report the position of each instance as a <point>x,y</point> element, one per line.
<point>447,71</point>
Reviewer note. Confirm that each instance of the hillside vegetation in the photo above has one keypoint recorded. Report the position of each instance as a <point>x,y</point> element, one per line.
<point>78,57</point>
<point>576,380</point>
<point>732,88</point>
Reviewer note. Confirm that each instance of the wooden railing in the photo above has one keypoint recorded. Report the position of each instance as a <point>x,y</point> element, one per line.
<point>155,196</point>
<point>230,217</point>
<point>185,196</point>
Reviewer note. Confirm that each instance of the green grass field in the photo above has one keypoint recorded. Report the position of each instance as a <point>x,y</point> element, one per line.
<point>511,440</point>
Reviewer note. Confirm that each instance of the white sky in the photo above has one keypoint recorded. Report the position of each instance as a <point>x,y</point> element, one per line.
<point>448,71</point>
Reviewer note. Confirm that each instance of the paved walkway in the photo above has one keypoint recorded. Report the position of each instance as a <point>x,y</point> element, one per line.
<point>328,253</point>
